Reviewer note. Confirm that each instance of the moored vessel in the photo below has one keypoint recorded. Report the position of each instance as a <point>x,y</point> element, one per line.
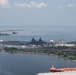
<point>53,69</point>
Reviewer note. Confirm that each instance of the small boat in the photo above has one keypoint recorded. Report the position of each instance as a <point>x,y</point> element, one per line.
<point>53,69</point>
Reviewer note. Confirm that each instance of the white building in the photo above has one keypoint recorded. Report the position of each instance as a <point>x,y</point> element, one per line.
<point>60,41</point>
<point>67,45</point>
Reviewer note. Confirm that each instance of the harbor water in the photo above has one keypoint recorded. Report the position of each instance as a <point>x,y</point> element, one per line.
<point>29,63</point>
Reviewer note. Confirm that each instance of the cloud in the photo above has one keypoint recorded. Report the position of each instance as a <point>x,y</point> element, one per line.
<point>67,6</point>
<point>31,5</point>
<point>4,4</point>
<point>71,5</point>
<point>41,5</point>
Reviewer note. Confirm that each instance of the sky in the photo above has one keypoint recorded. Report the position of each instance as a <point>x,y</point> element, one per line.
<point>56,18</point>
<point>37,12</point>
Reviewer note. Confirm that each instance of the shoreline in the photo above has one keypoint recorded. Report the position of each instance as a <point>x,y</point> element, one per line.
<point>50,52</point>
<point>61,57</point>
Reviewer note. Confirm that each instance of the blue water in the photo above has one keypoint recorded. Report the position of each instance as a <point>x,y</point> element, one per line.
<point>29,64</point>
<point>67,33</point>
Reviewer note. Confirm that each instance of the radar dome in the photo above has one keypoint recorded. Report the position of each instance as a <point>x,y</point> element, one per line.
<point>51,40</point>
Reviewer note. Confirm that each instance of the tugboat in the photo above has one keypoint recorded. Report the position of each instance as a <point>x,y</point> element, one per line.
<point>53,69</point>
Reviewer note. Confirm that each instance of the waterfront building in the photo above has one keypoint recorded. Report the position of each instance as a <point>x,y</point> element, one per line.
<point>60,41</point>
<point>66,45</point>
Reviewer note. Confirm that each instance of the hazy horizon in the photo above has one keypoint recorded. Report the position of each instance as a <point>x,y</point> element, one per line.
<point>53,18</point>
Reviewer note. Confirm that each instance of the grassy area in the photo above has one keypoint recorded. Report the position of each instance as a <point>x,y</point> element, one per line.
<point>71,56</point>
<point>63,52</point>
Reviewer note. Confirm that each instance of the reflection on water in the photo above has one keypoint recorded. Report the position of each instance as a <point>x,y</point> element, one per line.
<point>12,51</point>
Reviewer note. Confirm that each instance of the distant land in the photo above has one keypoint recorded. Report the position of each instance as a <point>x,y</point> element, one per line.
<point>58,48</point>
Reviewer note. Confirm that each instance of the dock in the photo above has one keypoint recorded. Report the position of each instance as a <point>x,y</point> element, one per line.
<point>58,73</point>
